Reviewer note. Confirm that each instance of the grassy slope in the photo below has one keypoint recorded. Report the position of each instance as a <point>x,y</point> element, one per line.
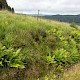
<point>38,41</point>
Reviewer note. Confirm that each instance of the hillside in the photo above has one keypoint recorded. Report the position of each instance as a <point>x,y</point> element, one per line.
<point>65,18</point>
<point>32,49</point>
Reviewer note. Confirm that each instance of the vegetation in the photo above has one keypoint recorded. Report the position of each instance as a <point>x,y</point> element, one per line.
<point>4,6</point>
<point>9,58</point>
<point>73,25</point>
<point>36,50</point>
<point>64,18</point>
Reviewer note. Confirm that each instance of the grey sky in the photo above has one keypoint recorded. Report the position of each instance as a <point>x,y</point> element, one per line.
<point>46,6</point>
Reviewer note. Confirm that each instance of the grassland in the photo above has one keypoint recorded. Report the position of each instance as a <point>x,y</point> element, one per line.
<point>32,49</point>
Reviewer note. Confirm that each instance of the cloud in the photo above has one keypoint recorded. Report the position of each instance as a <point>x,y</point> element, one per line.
<point>56,6</point>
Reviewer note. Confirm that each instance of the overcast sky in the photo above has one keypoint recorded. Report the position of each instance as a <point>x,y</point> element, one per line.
<point>46,6</point>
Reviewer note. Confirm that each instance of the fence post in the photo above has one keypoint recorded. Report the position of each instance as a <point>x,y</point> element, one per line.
<point>38,14</point>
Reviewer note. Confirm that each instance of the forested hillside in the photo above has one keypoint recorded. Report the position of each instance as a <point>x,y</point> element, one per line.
<point>65,18</point>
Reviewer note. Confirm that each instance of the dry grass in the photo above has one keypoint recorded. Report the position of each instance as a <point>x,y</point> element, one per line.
<point>72,74</point>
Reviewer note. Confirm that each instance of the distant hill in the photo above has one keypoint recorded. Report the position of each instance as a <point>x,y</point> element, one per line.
<point>64,18</point>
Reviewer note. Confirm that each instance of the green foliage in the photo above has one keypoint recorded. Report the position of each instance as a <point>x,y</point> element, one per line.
<point>50,60</point>
<point>10,58</point>
<point>73,25</point>
<point>45,47</point>
<point>76,35</point>
<point>61,56</point>
<point>2,33</point>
